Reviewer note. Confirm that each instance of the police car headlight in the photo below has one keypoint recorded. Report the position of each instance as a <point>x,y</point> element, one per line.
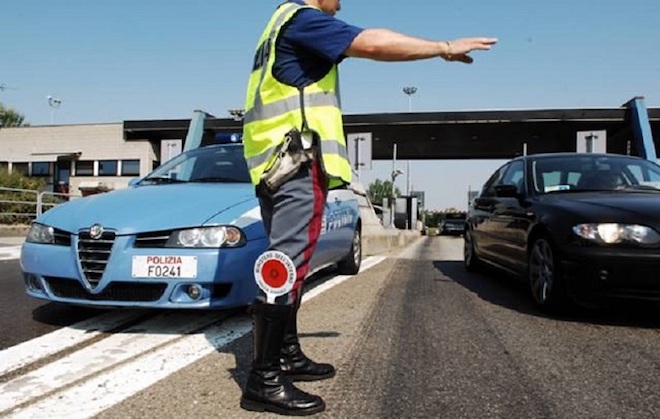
<point>40,233</point>
<point>207,237</point>
<point>613,233</point>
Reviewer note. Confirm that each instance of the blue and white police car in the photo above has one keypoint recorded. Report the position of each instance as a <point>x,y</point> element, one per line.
<point>185,236</point>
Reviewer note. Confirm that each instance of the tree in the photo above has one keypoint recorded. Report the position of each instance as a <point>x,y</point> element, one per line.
<point>10,117</point>
<point>379,190</point>
<point>452,210</point>
<point>431,218</point>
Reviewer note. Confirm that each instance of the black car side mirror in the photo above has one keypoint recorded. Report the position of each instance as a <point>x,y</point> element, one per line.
<point>507,191</point>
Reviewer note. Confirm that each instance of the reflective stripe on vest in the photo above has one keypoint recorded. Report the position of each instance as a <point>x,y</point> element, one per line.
<point>261,111</point>
<point>273,109</point>
<point>329,147</point>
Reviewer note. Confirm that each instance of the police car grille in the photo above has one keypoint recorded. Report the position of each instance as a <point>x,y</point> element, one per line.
<point>61,238</point>
<point>94,254</point>
<point>152,240</point>
<point>116,291</point>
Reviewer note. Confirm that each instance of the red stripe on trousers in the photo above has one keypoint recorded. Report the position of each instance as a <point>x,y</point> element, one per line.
<point>320,192</point>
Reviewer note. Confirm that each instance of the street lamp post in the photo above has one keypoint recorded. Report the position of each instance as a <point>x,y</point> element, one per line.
<point>54,104</point>
<point>410,91</point>
<point>395,173</point>
<point>4,87</point>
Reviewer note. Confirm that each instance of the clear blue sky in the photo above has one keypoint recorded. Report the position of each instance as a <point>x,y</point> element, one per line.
<point>109,61</point>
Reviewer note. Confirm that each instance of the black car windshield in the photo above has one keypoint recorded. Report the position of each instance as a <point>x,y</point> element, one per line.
<point>216,163</point>
<point>596,172</point>
<point>455,216</point>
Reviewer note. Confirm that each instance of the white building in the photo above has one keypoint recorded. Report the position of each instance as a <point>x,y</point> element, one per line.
<point>77,159</point>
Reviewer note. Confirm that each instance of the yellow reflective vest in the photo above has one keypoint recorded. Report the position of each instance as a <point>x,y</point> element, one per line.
<point>273,108</point>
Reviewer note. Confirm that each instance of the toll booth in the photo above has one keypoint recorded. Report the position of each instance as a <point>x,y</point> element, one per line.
<point>406,213</point>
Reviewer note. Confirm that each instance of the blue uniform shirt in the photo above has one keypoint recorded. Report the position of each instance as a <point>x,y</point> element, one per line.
<point>310,44</point>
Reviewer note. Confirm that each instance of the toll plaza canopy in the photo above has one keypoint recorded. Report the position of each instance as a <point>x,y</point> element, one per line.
<point>487,134</point>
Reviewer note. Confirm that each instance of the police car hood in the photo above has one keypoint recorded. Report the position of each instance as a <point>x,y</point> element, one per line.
<point>157,208</point>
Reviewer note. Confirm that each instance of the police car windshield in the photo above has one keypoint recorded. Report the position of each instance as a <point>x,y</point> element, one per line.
<point>216,164</point>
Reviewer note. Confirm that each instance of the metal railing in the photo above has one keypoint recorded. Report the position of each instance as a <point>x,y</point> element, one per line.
<point>21,206</point>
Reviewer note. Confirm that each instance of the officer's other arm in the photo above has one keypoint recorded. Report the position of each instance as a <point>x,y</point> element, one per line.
<point>387,45</point>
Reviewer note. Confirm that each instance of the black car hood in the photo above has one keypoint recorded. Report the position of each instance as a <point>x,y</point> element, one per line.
<point>610,206</point>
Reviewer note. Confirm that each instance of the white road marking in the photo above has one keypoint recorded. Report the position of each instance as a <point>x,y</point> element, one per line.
<point>96,358</point>
<point>25,353</point>
<point>105,373</point>
<point>91,397</point>
<point>10,252</point>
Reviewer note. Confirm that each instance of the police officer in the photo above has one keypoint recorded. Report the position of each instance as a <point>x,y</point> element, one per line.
<point>293,94</point>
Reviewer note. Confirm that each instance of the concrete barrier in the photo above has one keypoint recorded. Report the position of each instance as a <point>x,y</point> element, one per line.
<point>377,242</point>
<point>377,239</point>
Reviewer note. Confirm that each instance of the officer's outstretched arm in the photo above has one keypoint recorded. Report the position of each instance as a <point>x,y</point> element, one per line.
<point>387,45</point>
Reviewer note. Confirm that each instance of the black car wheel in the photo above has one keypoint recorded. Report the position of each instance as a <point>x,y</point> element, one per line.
<point>350,265</point>
<point>470,258</point>
<point>544,278</point>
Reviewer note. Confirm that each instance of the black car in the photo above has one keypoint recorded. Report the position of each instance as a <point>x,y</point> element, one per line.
<point>578,227</point>
<point>452,224</point>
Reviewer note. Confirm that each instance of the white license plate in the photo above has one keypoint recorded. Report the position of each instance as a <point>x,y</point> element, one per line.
<point>164,267</point>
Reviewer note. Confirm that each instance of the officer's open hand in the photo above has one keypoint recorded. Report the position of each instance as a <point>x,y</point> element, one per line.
<point>458,49</point>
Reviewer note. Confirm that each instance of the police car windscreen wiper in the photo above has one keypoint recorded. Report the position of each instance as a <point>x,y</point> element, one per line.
<point>217,179</point>
<point>162,179</point>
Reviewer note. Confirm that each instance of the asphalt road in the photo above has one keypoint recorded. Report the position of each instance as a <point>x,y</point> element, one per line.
<point>414,336</point>
<point>23,318</point>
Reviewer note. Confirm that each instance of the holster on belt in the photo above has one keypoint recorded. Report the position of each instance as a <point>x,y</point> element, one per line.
<point>290,157</point>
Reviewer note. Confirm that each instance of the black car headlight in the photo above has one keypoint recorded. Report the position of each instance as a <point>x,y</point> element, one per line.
<point>40,233</point>
<point>612,233</point>
<point>209,237</point>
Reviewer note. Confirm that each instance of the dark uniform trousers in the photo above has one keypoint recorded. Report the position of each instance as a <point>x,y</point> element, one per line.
<point>292,216</point>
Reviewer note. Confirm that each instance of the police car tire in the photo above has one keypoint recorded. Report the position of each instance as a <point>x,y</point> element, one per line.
<point>348,265</point>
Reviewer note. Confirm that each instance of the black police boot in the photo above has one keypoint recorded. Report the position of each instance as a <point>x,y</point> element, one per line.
<point>267,389</point>
<point>293,362</point>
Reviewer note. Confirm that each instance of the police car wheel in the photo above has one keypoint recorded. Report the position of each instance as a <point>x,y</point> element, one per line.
<point>350,265</point>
